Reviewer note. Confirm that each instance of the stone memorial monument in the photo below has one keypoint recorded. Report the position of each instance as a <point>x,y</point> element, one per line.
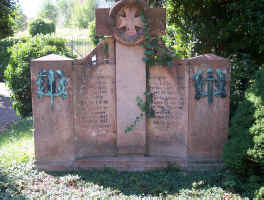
<point>82,108</point>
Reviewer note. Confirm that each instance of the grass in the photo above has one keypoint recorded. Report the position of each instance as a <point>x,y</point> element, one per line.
<point>16,144</point>
<point>19,179</point>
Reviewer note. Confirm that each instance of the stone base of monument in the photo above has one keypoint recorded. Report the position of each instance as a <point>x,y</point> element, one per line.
<point>130,163</point>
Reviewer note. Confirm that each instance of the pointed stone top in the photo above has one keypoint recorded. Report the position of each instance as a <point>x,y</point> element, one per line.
<point>206,57</point>
<point>51,57</point>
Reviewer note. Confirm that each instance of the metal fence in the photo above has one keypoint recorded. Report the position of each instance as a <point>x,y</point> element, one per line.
<point>79,46</point>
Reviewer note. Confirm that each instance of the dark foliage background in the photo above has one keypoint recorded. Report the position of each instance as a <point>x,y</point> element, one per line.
<point>7,14</point>
<point>230,29</point>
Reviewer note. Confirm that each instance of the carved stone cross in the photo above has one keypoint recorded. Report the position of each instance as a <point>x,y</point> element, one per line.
<point>124,23</point>
<point>130,21</point>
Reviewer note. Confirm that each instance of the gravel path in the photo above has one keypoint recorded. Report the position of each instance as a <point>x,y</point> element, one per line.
<point>7,114</point>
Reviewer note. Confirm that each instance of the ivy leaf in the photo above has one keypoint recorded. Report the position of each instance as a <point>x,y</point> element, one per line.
<point>149,52</point>
<point>154,42</point>
<point>138,99</point>
<point>170,63</point>
<point>159,62</point>
<point>145,60</point>
<point>149,98</point>
<point>148,46</point>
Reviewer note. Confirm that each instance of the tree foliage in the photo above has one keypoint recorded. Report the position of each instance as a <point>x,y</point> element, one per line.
<point>227,28</point>
<point>7,15</point>
<point>65,8</point>
<point>41,26</point>
<point>5,44</point>
<point>20,20</point>
<point>221,26</point>
<point>84,13</point>
<point>49,11</point>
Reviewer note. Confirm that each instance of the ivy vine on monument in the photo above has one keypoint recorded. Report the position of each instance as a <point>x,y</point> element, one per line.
<point>155,54</point>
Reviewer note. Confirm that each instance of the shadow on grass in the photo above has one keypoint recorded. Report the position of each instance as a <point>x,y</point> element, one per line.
<point>166,181</point>
<point>7,113</point>
<point>8,189</point>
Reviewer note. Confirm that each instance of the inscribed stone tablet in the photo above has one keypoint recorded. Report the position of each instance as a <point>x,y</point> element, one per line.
<point>95,113</point>
<point>166,132</point>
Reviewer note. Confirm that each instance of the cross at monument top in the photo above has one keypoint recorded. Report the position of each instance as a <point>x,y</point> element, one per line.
<point>130,21</point>
<point>124,23</point>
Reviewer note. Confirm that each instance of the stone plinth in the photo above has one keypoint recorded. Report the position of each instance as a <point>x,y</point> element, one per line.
<point>127,163</point>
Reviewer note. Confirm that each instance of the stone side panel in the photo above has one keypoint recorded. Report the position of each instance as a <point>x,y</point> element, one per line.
<point>208,123</point>
<point>54,133</point>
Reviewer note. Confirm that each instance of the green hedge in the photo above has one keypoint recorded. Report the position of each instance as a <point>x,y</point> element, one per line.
<point>41,26</point>
<point>17,74</point>
<point>5,44</point>
<point>244,152</point>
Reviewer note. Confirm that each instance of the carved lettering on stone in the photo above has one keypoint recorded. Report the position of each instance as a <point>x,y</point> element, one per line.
<point>166,131</point>
<point>97,130</point>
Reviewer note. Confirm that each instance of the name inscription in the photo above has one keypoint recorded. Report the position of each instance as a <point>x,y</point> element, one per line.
<point>166,102</point>
<point>100,101</point>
